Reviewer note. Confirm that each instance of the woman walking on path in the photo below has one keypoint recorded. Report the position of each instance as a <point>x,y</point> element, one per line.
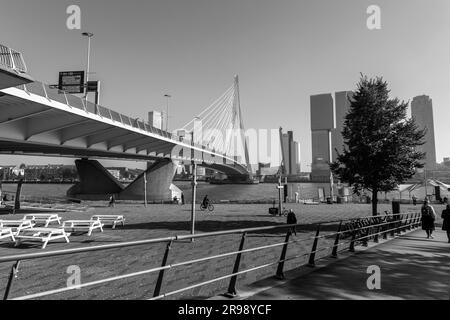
<point>428,218</point>
<point>446,224</point>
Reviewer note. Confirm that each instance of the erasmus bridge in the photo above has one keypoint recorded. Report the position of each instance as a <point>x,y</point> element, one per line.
<point>37,119</point>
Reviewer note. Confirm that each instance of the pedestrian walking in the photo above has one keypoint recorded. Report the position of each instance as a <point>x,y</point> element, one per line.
<point>414,199</point>
<point>112,201</point>
<point>428,218</point>
<point>446,223</point>
<point>182,199</point>
<point>292,219</point>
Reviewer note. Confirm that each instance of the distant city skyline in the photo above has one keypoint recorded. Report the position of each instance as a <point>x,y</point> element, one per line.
<point>284,52</point>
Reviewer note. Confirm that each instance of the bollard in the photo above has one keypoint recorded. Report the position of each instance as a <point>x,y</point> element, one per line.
<point>12,276</point>
<point>312,256</point>
<point>280,274</point>
<point>232,287</point>
<point>161,272</point>
<point>336,241</point>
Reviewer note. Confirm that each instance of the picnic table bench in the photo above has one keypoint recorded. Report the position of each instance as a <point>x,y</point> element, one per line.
<point>110,219</point>
<point>16,225</point>
<point>45,219</point>
<point>7,233</point>
<point>83,225</point>
<point>41,235</point>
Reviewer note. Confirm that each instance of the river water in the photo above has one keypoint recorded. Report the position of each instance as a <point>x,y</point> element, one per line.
<point>261,191</point>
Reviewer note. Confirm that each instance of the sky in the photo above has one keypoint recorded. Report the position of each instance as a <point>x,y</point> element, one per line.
<point>283,51</point>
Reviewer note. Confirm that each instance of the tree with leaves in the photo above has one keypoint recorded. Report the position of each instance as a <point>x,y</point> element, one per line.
<point>380,142</point>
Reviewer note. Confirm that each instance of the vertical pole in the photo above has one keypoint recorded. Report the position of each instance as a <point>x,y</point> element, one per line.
<point>88,68</point>
<point>280,274</point>
<point>232,287</point>
<point>18,192</point>
<point>312,256</point>
<point>331,161</point>
<point>279,196</point>
<point>12,276</point>
<point>352,242</point>
<point>336,241</point>
<point>145,188</point>
<point>161,272</point>
<point>376,237</point>
<point>194,196</point>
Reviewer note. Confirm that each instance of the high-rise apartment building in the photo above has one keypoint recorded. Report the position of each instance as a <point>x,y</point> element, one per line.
<point>291,154</point>
<point>341,108</point>
<point>322,126</point>
<point>422,112</point>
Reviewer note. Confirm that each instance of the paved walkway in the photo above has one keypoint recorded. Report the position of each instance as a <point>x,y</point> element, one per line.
<point>412,267</point>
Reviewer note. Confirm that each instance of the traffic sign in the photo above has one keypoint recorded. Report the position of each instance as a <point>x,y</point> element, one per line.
<point>71,81</point>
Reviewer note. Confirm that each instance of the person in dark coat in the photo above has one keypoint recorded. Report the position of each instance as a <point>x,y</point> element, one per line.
<point>292,219</point>
<point>446,224</point>
<point>428,218</point>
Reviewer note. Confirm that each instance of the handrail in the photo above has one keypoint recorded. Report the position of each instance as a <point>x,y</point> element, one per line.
<point>12,59</point>
<point>400,222</point>
<point>37,255</point>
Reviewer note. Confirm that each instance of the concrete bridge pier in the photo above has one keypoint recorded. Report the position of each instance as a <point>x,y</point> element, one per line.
<point>96,183</point>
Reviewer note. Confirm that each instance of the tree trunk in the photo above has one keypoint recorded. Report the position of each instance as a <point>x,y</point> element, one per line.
<point>374,201</point>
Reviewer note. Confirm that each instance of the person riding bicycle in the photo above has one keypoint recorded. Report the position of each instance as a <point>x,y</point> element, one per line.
<point>205,202</point>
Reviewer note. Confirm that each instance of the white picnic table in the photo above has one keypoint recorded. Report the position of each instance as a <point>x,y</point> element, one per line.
<point>110,219</point>
<point>43,218</point>
<point>83,225</point>
<point>7,233</point>
<point>16,225</point>
<point>41,235</point>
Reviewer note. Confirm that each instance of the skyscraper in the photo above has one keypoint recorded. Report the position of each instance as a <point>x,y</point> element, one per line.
<point>342,106</point>
<point>290,153</point>
<point>422,112</point>
<point>322,126</point>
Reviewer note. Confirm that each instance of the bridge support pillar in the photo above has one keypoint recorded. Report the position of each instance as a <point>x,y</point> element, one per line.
<point>159,177</point>
<point>96,183</point>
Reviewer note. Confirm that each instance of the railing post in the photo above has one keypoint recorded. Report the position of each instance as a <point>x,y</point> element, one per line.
<point>12,276</point>
<point>385,229</point>
<point>336,241</point>
<point>161,272</point>
<point>280,274</point>
<point>352,241</point>
<point>408,223</point>
<point>398,227</point>
<point>392,226</point>
<point>376,238</point>
<point>312,256</point>
<point>232,287</point>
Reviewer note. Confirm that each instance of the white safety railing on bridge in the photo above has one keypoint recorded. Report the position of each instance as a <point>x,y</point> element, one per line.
<point>12,59</point>
<point>73,101</point>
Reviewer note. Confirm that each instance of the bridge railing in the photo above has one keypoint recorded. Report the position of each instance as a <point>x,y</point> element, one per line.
<point>12,59</point>
<point>347,235</point>
<point>73,101</point>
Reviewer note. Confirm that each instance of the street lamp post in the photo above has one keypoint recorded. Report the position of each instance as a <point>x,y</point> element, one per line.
<point>167,96</point>
<point>89,35</point>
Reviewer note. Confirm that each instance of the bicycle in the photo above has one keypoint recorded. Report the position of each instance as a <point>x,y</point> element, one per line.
<point>209,207</point>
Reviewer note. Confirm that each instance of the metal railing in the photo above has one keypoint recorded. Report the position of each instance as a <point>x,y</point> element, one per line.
<point>12,59</point>
<point>360,230</point>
